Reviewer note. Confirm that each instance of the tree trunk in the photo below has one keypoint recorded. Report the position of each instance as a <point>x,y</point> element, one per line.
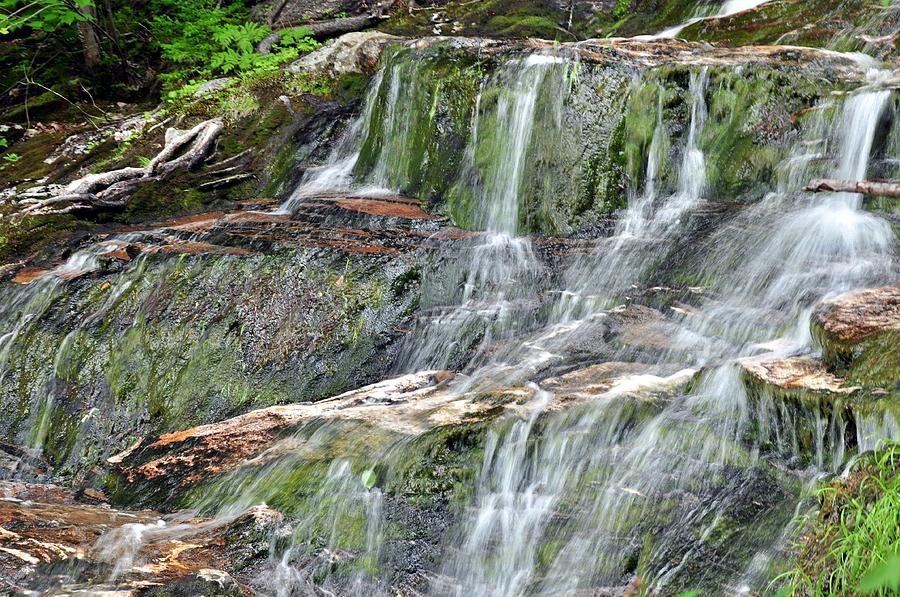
<point>90,43</point>
<point>864,187</point>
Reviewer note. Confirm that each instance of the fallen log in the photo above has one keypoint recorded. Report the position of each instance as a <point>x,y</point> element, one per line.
<point>863,187</point>
<point>320,30</point>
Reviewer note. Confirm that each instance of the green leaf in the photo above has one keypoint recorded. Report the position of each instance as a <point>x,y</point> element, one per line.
<point>369,478</point>
<point>882,577</point>
<point>689,594</point>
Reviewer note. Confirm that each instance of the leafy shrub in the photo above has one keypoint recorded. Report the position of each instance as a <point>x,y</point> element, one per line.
<point>41,15</point>
<point>201,40</point>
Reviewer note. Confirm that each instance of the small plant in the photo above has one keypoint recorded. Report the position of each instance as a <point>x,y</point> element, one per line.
<point>203,41</point>
<point>621,9</point>
<point>47,16</point>
<point>883,578</point>
<point>369,478</point>
<point>12,158</point>
<point>853,545</point>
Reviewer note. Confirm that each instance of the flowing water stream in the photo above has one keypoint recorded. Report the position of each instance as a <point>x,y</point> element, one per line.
<point>731,7</point>
<point>566,501</point>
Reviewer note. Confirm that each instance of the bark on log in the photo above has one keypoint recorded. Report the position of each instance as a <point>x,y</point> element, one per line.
<point>321,30</point>
<point>112,189</point>
<point>864,187</point>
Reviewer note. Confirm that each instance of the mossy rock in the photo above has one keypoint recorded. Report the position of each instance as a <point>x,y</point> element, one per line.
<point>858,333</point>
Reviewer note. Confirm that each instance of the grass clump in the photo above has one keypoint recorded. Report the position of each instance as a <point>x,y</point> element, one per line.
<point>853,544</point>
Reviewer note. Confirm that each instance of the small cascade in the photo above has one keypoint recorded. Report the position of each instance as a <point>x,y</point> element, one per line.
<point>730,7</point>
<point>345,511</point>
<point>501,546</point>
<point>489,288</point>
<point>336,174</point>
<point>646,230</point>
<point>800,248</point>
<point>23,307</point>
<point>643,235</point>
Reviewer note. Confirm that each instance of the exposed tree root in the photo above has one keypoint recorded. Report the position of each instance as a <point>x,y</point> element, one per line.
<point>110,190</point>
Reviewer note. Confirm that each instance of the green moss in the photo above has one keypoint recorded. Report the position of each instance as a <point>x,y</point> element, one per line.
<point>836,24</point>
<point>872,362</point>
<point>29,235</point>
<point>439,466</point>
<point>640,124</point>
<point>877,364</point>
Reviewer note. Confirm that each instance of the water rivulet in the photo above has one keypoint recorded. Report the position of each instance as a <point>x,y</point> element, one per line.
<point>617,248</point>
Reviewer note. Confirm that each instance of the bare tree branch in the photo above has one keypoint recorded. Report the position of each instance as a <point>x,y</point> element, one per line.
<point>864,187</point>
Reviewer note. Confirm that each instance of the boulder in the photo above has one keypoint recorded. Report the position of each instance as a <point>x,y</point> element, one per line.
<point>854,317</point>
<point>140,552</point>
<point>859,333</point>
<point>356,52</point>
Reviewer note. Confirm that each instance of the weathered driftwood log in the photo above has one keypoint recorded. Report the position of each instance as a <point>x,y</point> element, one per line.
<point>112,189</point>
<point>321,29</point>
<point>864,187</point>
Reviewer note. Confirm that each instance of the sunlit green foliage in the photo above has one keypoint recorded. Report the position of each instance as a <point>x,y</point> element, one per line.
<point>41,15</point>
<point>201,39</point>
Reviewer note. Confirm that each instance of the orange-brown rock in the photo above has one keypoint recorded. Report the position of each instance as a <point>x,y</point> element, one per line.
<point>410,404</point>
<point>858,315</point>
<point>145,549</point>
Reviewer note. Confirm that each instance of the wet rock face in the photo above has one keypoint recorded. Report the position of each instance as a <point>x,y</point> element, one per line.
<point>53,542</point>
<point>268,307</point>
<point>277,12</point>
<point>350,53</point>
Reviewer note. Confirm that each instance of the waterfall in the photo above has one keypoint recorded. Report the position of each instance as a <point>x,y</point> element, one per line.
<point>730,7</point>
<point>336,175</point>
<point>563,505</point>
<point>645,231</point>
<point>677,471</point>
<point>484,294</point>
<point>788,251</point>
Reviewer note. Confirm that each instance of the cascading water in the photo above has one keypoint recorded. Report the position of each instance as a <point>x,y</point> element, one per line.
<point>731,7</point>
<point>668,484</point>
<point>337,174</point>
<point>489,292</point>
<point>646,229</point>
<point>802,248</point>
<point>636,485</point>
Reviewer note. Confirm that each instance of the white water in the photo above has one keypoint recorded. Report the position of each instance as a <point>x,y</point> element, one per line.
<point>731,7</point>
<point>493,275</point>
<point>336,175</point>
<point>534,489</point>
<point>566,502</point>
